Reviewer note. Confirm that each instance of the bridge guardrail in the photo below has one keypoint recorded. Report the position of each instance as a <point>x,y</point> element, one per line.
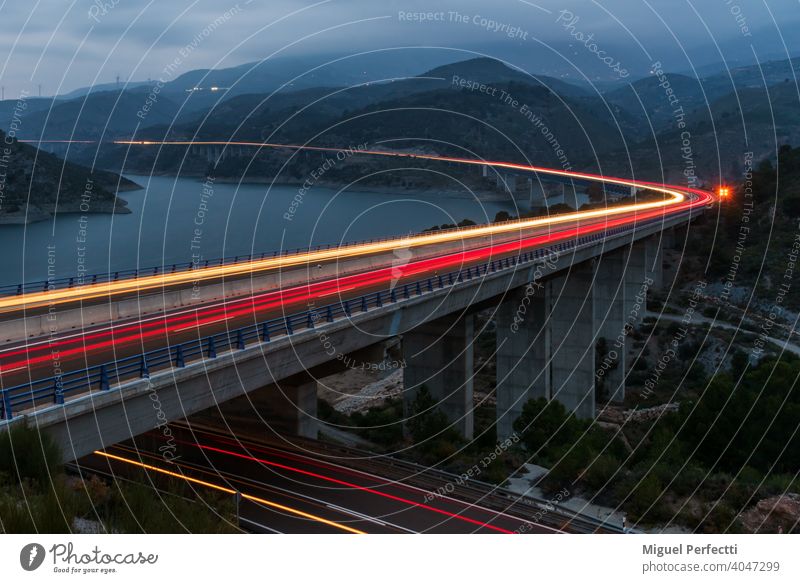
<point>102,377</point>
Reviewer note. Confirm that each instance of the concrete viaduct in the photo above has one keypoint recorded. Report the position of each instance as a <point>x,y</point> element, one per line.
<point>550,311</point>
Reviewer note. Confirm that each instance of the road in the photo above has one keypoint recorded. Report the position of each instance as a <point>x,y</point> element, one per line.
<point>32,359</point>
<point>291,491</point>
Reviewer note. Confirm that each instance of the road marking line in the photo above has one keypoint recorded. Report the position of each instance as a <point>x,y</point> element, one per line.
<point>232,491</point>
<point>337,291</point>
<point>202,324</point>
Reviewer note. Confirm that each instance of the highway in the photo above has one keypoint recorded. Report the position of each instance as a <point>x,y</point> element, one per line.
<point>94,345</point>
<point>287,490</point>
<point>675,200</point>
<point>283,285</point>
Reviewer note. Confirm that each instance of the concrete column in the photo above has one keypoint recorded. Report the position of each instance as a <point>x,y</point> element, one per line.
<point>610,315</point>
<point>523,349</point>
<point>655,259</point>
<point>572,364</point>
<point>439,355</point>
<point>290,406</point>
<point>636,282</point>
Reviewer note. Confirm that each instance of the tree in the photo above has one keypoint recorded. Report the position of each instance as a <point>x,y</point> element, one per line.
<point>546,423</point>
<point>425,421</point>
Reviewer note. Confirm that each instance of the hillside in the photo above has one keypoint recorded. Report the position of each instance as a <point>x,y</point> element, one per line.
<point>631,131</point>
<point>517,117</point>
<point>756,120</point>
<point>35,185</point>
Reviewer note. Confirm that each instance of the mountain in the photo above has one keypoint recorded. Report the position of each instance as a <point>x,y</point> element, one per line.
<point>513,115</point>
<point>304,72</point>
<point>251,116</point>
<point>756,120</point>
<point>102,87</point>
<point>36,185</point>
<point>107,115</point>
<point>648,99</point>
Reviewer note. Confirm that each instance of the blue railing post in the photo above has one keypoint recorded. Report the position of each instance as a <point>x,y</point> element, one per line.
<point>211,348</point>
<point>441,282</point>
<point>7,413</point>
<point>264,332</point>
<point>405,291</point>
<point>309,320</point>
<point>240,339</point>
<point>58,393</point>
<point>144,372</point>
<point>104,384</point>
<point>347,308</point>
<point>363,303</point>
<point>288,324</point>
<point>378,300</point>
<point>393,296</point>
<point>329,314</point>
<point>179,361</point>
<point>419,289</point>
<point>430,284</point>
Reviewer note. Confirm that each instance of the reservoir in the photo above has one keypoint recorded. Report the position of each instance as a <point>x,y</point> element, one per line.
<point>176,220</point>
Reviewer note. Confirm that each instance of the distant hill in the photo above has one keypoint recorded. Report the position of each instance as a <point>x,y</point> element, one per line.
<point>107,114</point>
<point>648,100</point>
<point>36,185</point>
<point>751,120</point>
<point>543,120</point>
<point>628,131</point>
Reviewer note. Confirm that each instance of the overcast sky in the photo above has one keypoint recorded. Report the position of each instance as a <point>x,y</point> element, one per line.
<point>66,44</point>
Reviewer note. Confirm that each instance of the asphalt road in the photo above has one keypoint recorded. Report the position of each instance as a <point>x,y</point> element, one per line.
<point>301,491</point>
<point>38,358</point>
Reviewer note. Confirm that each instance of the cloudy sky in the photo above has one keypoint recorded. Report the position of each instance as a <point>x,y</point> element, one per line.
<point>66,44</point>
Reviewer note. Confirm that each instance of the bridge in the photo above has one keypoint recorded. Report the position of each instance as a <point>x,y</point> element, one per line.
<point>116,355</point>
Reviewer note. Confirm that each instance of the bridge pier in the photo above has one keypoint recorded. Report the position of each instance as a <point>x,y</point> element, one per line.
<point>439,355</point>
<point>637,282</point>
<point>288,407</point>
<point>548,335</point>
<point>572,364</point>
<point>291,406</point>
<point>654,246</point>
<point>523,346</point>
<point>611,311</point>
<point>550,352</point>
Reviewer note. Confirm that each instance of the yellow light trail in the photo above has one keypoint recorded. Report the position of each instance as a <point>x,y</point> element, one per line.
<point>232,492</point>
<point>143,283</point>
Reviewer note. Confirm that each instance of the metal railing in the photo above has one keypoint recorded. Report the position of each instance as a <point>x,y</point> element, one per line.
<point>102,377</point>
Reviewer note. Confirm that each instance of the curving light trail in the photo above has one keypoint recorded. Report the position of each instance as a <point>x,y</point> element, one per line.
<point>226,490</point>
<point>114,336</point>
<point>676,199</point>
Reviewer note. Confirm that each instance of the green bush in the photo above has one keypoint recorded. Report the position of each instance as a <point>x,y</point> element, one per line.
<point>26,454</point>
